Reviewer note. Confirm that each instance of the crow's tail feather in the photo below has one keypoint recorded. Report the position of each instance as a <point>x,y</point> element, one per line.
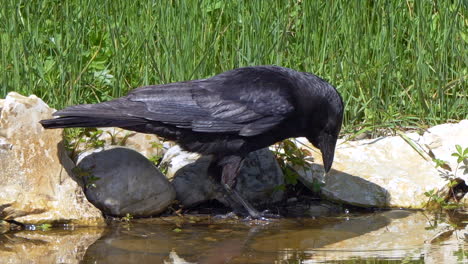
<point>88,121</point>
<point>108,114</point>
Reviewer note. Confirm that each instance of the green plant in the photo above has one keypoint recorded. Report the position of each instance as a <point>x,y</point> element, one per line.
<point>93,139</point>
<point>127,218</point>
<point>91,181</point>
<point>122,141</point>
<point>461,254</point>
<point>438,201</point>
<point>156,144</point>
<point>156,159</point>
<point>90,178</point>
<point>461,155</point>
<point>317,185</point>
<point>443,201</point>
<point>289,157</point>
<point>44,227</point>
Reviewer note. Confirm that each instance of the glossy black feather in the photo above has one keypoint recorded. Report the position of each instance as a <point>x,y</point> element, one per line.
<point>232,113</point>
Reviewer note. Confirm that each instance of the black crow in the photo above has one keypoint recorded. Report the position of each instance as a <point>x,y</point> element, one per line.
<point>227,116</point>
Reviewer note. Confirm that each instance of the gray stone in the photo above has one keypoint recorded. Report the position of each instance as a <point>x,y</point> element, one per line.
<point>36,181</point>
<point>121,181</point>
<point>259,176</point>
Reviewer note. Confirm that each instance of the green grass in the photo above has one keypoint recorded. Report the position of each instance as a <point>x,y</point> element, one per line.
<point>396,63</point>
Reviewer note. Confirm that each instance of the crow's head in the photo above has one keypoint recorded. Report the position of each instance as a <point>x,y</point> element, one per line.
<point>325,130</point>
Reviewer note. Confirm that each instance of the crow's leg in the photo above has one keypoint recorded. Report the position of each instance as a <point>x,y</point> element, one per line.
<point>231,166</point>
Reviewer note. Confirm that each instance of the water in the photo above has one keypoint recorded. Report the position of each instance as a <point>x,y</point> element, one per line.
<point>382,237</point>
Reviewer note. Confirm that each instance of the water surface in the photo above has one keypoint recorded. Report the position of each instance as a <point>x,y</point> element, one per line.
<point>381,237</point>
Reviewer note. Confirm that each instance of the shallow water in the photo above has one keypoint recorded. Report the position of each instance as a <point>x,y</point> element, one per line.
<point>382,237</point>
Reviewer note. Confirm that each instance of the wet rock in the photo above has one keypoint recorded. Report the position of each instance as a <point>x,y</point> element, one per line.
<point>36,182</point>
<point>388,171</point>
<point>121,181</point>
<point>259,176</point>
<point>51,246</point>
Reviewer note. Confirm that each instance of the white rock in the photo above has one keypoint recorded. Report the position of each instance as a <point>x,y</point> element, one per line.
<point>36,183</point>
<point>442,139</point>
<point>387,171</point>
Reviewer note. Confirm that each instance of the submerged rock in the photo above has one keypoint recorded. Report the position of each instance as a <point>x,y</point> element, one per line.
<point>259,176</point>
<point>36,182</point>
<point>388,171</point>
<point>121,181</point>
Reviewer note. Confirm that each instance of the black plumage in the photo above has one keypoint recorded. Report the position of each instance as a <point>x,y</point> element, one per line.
<point>228,115</point>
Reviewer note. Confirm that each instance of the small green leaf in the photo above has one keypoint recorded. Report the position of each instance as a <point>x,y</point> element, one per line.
<point>45,227</point>
<point>465,152</point>
<point>459,149</point>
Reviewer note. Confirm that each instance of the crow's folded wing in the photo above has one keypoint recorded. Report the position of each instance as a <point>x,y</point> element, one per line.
<point>247,111</point>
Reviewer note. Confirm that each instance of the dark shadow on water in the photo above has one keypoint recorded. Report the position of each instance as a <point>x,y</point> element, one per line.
<point>211,242</point>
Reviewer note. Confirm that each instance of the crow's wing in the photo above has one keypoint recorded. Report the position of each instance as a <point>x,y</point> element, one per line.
<point>247,108</point>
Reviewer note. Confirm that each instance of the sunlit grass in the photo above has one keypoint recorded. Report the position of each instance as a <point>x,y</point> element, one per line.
<point>396,63</point>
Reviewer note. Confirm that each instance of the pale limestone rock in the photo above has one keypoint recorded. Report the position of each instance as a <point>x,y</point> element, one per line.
<point>127,183</point>
<point>384,172</point>
<point>257,180</point>
<point>51,246</point>
<point>387,171</point>
<point>36,183</point>
<point>441,140</point>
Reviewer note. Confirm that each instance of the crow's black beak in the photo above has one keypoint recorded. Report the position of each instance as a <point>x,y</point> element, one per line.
<point>327,145</point>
